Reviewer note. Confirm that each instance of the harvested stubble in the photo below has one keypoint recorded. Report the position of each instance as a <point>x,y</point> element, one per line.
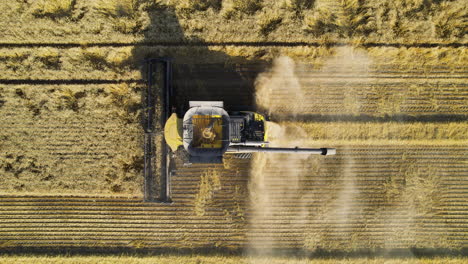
<point>365,197</point>
<point>387,181</point>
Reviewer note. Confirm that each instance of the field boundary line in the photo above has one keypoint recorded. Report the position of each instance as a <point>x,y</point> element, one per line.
<point>117,81</point>
<point>228,43</point>
<point>69,197</point>
<point>67,81</point>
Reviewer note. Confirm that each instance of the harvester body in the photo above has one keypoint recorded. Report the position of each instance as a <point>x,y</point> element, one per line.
<point>207,132</point>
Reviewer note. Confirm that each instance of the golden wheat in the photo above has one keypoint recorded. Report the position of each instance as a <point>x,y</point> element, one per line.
<point>52,8</point>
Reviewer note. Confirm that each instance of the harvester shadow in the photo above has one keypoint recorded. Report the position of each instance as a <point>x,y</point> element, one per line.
<point>199,73</point>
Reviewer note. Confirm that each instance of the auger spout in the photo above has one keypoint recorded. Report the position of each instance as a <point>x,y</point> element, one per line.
<point>313,151</point>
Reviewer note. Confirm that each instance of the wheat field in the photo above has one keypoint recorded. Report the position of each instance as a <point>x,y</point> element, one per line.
<point>384,82</point>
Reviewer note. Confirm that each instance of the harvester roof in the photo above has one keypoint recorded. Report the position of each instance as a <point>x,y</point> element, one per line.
<point>206,131</point>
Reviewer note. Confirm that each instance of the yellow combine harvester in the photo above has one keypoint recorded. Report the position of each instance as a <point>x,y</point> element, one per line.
<point>207,132</point>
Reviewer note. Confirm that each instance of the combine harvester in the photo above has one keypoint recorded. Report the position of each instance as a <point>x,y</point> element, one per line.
<point>206,131</point>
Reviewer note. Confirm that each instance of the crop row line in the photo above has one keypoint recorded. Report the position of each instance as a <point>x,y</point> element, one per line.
<point>227,43</point>
<point>222,223</point>
<point>185,204</point>
<point>259,234</point>
<point>67,81</point>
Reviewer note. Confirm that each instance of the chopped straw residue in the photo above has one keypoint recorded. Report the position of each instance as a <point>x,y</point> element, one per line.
<point>209,183</point>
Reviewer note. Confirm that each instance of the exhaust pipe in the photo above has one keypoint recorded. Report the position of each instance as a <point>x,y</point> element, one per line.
<point>247,149</point>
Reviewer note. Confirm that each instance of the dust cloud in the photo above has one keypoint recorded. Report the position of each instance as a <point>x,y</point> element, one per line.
<point>280,200</point>
<point>294,90</point>
<point>280,82</point>
<point>275,186</point>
